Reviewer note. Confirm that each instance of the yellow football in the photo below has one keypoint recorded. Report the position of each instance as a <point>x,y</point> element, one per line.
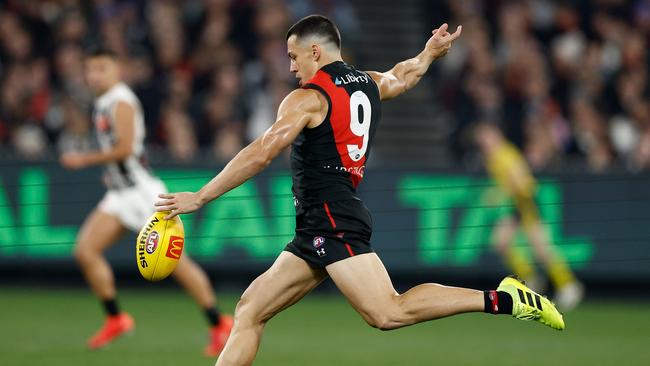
<point>159,246</point>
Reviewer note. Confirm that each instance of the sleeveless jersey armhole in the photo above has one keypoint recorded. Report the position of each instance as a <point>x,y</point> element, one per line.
<point>374,83</point>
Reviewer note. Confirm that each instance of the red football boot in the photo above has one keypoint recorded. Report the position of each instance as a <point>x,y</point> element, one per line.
<point>114,327</point>
<point>218,336</point>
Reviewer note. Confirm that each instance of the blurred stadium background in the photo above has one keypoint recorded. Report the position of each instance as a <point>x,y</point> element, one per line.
<point>567,81</point>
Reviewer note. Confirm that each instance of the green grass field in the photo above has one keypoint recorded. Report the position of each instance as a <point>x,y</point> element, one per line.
<point>49,327</point>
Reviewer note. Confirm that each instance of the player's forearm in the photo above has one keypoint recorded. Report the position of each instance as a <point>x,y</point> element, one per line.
<point>412,70</point>
<point>105,157</point>
<point>246,164</point>
<point>259,154</point>
<point>424,60</point>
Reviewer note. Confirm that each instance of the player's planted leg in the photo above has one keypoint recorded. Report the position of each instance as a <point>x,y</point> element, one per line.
<point>99,231</point>
<point>196,282</point>
<point>288,280</point>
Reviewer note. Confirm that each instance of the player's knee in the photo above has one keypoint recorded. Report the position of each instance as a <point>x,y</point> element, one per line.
<point>389,315</point>
<point>83,253</point>
<point>381,321</point>
<point>247,313</point>
<point>378,322</point>
<point>384,317</point>
<point>501,246</point>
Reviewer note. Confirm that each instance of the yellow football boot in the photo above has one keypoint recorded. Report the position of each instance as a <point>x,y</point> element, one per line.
<point>528,305</point>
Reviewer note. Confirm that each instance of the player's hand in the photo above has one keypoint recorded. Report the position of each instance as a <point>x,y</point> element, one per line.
<point>73,160</point>
<point>178,203</point>
<point>441,40</point>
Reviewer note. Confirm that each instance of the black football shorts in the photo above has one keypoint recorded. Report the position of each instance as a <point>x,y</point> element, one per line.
<point>331,231</point>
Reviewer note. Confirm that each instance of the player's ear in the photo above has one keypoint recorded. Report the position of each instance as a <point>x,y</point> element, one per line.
<point>315,52</point>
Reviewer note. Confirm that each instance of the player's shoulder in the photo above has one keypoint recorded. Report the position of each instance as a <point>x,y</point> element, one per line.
<point>512,150</point>
<point>508,155</point>
<point>127,91</point>
<point>305,100</point>
<point>506,148</point>
<point>376,76</point>
<point>122,93</point>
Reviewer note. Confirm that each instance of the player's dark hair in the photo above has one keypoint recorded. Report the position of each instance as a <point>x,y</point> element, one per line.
<point>316,25</point>
<point>100,51</point>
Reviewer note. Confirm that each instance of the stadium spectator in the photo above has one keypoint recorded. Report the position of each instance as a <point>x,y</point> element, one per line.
<point>206,81</point>
<point>569,79</point>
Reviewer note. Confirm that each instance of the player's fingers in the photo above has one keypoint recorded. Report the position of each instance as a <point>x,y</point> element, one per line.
<point>165,207</point>
<point>171,215</point>
<point>163,203</point>
<point>166,195</point>
<point>441,30</point>
<point>434,32</point>
<point>456,34</point>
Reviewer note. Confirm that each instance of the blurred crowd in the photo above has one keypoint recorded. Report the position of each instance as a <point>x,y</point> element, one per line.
<point>209,73</point>
<point>562,78</point>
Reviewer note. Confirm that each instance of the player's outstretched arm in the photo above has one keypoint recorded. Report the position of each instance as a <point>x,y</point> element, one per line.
<point>406,74</point>
<point>297,111</point>
<point>123,148</point>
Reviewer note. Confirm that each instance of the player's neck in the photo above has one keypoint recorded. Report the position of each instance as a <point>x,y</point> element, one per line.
<point>104,91</point>
<point>326,58</point>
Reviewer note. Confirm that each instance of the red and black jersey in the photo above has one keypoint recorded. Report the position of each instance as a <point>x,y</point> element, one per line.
<point>328,161</point>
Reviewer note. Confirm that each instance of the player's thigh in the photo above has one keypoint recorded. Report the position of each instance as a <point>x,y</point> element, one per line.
<point>287,281</point>
<point>99,231</point>
<point>528,210</point>
<point>364,281</point>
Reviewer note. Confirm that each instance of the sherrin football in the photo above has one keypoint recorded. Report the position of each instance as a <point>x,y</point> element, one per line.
<point>159,246</point>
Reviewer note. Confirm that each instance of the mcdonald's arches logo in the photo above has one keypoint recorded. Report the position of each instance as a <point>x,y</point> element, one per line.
<point>175,247</point>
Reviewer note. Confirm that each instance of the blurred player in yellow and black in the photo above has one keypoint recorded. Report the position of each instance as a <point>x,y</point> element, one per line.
<point>514,182</point>
<point>120,129</point>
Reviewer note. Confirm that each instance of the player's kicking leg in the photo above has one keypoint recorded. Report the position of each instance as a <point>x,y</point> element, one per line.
<point>363,280</point>
<point>98,232</point>
<point>197,284</point>
<point>288,280</point>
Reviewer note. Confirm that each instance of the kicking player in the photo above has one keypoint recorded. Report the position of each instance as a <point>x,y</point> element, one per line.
<point>330,123</point>
<point>514,181</point>
<point>120,128</point>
